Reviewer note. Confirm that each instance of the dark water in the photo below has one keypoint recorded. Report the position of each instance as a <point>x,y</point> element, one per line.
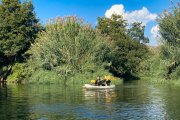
<point>129,101</point>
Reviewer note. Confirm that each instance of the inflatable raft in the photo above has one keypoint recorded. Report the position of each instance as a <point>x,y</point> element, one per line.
<point>88,86</point>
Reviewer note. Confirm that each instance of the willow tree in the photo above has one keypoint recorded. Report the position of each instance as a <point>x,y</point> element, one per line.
<point>18,29</point>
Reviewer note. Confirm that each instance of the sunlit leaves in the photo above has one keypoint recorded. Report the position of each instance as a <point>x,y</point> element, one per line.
<point>68,46</point>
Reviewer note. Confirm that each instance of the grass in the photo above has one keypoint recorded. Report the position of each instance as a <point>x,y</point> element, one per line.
<point>42,76</point>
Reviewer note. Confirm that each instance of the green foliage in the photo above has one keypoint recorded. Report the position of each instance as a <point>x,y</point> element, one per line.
<point>41,76</point>
<point>18,28</point>
<point>18,73</point>
<point>126,53</point>
<point>69,51</point>
<point>66,48</point>
<point>127,56</point>
<point>164,62</point>
<point>137,32</point>
<point>112,26</point>
<point>176,74</point>
<point>169,24</point>
<point>154,69</point>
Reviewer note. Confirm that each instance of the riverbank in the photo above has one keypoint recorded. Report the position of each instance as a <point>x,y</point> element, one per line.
<point>160,81</point>
<point>155,69</point>
<point>52,77</point>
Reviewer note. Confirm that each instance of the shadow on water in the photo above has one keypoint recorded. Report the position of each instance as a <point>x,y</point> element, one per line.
<point>130,77</point>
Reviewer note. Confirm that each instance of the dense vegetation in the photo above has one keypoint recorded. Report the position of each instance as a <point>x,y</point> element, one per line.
<point>164,62</point>
<point>18,29</point>
<point>169,24</point>
<point>68,50</point>
<point>127,51</point>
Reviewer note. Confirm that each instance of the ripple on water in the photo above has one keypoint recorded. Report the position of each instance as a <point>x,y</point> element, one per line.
<point>131,102</point>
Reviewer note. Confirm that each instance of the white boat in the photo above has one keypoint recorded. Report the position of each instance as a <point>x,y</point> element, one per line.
<point>88,86</point>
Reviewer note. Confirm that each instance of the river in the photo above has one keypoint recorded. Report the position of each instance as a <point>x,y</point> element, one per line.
<point>134,100</point>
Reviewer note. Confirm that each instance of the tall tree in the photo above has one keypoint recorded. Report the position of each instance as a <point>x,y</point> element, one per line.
<point>169,25</point>
<point>137,32</point>
<point>113,26</point>
<point>18,29</point>
<point>126,53</point>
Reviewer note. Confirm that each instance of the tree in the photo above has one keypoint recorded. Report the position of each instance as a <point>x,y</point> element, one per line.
<point>113,26</point>
<point>137,32</point>
<point>169,25</point>
<point>68,48</point>
<point>126,53</point>
<point>18,29</point>
<point>126,57</point>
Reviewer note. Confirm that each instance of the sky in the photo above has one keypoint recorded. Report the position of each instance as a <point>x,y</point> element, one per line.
<point>145,11</point>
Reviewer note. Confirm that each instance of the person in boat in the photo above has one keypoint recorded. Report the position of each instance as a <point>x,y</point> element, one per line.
<point>102,82</point>
<point>99,82</point>
<point>108,80</point>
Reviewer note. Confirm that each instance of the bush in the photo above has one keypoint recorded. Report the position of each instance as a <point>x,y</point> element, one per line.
<point>18,73</point>
<point>66,48</point>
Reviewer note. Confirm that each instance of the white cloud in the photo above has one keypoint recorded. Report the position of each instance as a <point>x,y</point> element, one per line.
<point>115,9</point>
<point>155,31</point>
<point>143,15</point>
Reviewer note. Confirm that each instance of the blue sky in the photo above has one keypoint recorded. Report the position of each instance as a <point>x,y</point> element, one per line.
<point>89,10</point>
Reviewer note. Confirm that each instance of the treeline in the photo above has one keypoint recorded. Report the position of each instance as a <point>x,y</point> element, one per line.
<point>164,61</point>
<point>18,29</point>
<point>169,24</point>
<point>68,50</point>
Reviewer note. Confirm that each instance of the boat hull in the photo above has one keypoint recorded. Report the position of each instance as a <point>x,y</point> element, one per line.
<point>88,86</point>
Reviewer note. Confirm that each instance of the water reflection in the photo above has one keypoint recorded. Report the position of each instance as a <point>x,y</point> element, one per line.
<point>13,105</point>
<point>100,96</point>
<point>98,104</point>
<point>132,100</point>
<point>156,106</point>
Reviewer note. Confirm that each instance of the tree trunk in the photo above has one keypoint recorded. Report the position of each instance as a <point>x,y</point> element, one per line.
<point>5,74</point>
<point>172,68</point>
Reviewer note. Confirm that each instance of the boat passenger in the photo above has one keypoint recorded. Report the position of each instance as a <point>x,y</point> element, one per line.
<point>102,82</point>
<point>107,79</point>
<point>97,81</point>
<point>108,82</point>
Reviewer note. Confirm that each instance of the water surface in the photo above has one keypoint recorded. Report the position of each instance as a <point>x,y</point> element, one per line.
<point>130,101</point>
